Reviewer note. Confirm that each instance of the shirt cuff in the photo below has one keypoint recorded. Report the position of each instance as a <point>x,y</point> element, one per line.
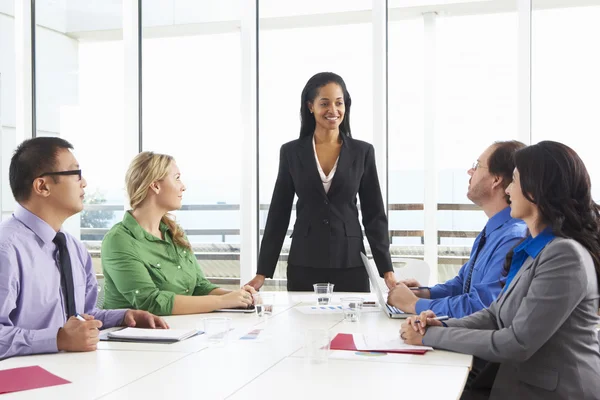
<point>44,341</point>
<point>435,292</point>
<point>112,318</point>
<point>422,305</point>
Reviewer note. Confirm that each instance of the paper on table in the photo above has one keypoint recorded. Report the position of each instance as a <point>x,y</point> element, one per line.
<point>380,343</point>
<point>168,335</point>
<point>25,378</point>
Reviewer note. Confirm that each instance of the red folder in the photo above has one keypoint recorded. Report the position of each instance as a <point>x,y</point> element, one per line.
<point>345,341</point>
<point>25,378</point>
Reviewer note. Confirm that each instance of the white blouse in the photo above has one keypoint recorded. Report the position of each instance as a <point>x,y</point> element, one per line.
<point>326,179</point>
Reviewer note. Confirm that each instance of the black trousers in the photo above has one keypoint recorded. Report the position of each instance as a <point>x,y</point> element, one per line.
<point>302,279</point>
<point>480,380</point>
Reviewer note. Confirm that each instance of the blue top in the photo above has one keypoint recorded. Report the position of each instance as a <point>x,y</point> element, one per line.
<point>502,234</point>
<point>530,247</point>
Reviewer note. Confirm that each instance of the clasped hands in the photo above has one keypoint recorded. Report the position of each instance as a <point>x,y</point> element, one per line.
<point>414,328</point>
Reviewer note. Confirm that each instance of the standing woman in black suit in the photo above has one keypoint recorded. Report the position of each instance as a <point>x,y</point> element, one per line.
<point>326,168</point>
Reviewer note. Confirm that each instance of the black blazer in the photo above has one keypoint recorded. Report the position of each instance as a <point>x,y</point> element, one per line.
<point>327,233</point>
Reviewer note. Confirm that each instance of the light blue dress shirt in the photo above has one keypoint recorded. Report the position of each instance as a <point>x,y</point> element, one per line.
<point>32,307</point>
<point>502,234</point>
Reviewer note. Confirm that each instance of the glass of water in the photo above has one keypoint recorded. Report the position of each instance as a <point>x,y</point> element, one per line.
<point>352,307</point>
<point>263,303</point>
<point>316,346</point>
<point>323,292</point>
<point>217,330</point>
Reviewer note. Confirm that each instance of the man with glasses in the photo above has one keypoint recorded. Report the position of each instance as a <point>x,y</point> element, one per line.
<point>479,281</point>
<point>48,288</point>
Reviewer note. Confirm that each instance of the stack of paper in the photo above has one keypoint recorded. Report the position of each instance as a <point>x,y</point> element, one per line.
<point>359,342</point>
<point>152,335</point>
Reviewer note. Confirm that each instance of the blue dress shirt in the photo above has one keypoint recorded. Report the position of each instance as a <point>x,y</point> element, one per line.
<point>530,247</point>
<point>502,234</point>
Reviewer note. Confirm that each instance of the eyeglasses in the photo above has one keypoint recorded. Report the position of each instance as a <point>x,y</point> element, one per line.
<point>477,165</point>
<point>71,172</point>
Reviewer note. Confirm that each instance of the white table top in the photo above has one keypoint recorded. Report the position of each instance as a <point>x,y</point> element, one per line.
<point>339,379</point>
<point>266,367</point>
<point>92,374</point>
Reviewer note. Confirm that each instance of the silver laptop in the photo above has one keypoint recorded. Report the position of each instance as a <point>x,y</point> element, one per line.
<point>381,291</point>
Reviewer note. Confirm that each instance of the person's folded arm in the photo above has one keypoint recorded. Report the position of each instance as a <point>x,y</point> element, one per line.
<point>15,341</point>
<point>559,285</point>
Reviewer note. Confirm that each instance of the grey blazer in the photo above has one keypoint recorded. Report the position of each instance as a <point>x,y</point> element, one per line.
<point>541,329</point>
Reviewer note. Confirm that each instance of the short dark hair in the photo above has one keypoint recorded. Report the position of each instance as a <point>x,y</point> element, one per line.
<point>502,161</point>
<point>555,179</point>
<point>310,92</point>
<point>32,158</point>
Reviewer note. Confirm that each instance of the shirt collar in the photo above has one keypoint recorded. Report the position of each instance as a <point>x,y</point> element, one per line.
<point>137,231</point>
<point>497,220</point>
<point>534,245</point>
<point>37,225</point>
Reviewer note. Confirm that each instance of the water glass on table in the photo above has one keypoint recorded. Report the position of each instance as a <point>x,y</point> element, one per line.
<point>263,303</point>
<point>352,307</point>
<point>316,346</point>
<point>217,330</point>
<point>323,292</point>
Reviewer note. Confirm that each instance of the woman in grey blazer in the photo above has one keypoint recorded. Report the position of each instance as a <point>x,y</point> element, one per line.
<point>541,331</point>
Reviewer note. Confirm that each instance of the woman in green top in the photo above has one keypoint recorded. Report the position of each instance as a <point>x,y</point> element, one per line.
<point>147,261</point>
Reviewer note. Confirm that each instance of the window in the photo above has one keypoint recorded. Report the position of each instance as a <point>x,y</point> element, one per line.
<point>191,93</point>
<point>79,97</point>
<point>565,80</point>
<point>476,93</point>
<point>8,123</point>
<point>406,136</point>
<point>293,47</point>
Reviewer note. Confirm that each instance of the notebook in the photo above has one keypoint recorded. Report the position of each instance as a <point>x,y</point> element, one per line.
<point>152,335</point>
<point>358,342</point>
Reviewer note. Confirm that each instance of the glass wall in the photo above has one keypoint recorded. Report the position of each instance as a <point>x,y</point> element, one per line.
<point>476,105</point>
<point>565,80</point>
<point>8,121</point>
<point>79,97</point>
<point>191,108</point>
<point>293,46</point>
<point>191,102</point>
<point>406,152</point>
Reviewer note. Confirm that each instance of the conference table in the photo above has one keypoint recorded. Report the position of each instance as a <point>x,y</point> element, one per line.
<point>271,365</point>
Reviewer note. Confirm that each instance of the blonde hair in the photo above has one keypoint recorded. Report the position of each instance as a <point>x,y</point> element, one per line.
<point>148,167</point>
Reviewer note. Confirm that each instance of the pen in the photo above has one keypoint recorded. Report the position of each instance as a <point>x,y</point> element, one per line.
<point>79,317</point>
<point>418,287</point>
<point>440,318</point>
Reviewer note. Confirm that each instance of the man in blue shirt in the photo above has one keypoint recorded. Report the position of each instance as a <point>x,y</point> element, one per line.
<point>479,281</point>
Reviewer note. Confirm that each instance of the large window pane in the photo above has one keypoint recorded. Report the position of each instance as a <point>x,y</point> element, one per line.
<point>406,136</point>
<point>565,80</point>
<point>8,123</point>
<point>192,111</point>
<point>476,92</point>
<point>296,43</point>
<point>79,97</point>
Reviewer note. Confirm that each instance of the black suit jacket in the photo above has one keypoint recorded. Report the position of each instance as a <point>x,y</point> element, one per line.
<point>327,233</point>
